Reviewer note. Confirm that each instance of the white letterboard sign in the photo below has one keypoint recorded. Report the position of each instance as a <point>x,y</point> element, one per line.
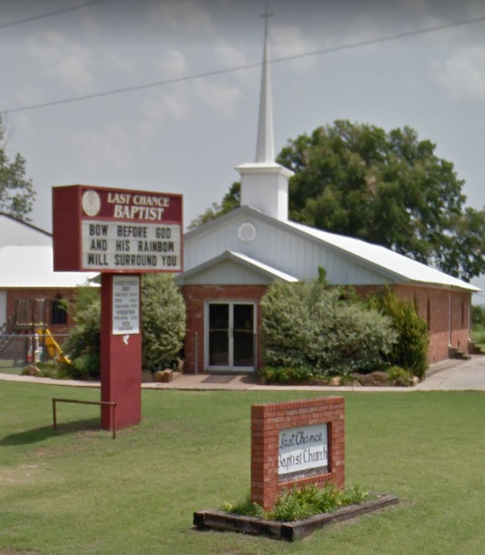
<point>126,305</point>
<point>121,246</point>
<point>302,449</point>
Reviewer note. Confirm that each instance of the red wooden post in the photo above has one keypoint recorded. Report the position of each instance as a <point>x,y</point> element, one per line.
<point>120,366</point>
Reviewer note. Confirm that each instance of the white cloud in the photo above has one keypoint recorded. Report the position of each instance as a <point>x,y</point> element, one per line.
<point>110,148</point>
<point>419,5</point>
<point>219,96</point>
<point>463,74</point>
<point>174,65</point>
<point>185,15</point>
<point>474,8</point>
<point>23,124</point>
<point>69,63</point>
<point>159,108</point>
<point>117,62</point>
<point>287,41</point>
<point>229,55</point>
<point>362,28</point>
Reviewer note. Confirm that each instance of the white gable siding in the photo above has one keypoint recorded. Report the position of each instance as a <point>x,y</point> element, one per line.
<point>227,273</point>
<point>18,234</point>
<point>279,248</point>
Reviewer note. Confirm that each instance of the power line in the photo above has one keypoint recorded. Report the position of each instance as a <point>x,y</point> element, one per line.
<point>50,14</point>
<point>242,67</point>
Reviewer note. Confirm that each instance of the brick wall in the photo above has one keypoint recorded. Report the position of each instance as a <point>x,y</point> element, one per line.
<point>268,420</point>
<point>195,298</point>
<point>434,306</point>
<point>47,293</point>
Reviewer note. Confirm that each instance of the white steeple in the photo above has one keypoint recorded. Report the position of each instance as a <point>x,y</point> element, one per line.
<point>264,184</point>
<point>265,145</point>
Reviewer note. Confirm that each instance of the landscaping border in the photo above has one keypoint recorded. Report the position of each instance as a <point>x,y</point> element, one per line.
<point>212,519</point>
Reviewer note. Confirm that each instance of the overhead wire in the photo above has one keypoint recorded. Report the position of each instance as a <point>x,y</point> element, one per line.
<point>241,67</point>
<point>50,14</point>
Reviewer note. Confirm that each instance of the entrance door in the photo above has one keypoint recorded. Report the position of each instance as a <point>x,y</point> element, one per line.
<point>3,308</point>
<point>230,336</point>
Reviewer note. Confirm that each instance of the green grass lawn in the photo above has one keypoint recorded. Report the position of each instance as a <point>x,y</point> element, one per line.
<point>77,491</point>
<point>478,335</point>
<point>8,367</point>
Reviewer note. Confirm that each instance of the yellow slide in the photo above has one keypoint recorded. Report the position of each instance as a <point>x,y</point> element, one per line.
<point>53,348</point>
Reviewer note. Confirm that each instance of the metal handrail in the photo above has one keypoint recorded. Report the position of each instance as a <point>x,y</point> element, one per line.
<point>100,403</point>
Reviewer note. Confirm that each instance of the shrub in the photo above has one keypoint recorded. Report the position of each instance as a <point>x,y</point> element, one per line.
<point>83,343</point>
<point>163,327</point>
<point>478,315</point>
<point>284,375</point>
<point>411,349</point>
<point>307,325</point>
<point>299,504</point>
<point>163,310</point>
<point>399,376</point>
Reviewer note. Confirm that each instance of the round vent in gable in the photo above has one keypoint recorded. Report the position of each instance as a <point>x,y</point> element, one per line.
<point>246,232</point>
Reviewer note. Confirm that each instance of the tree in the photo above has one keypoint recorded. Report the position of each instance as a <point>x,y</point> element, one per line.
<point>387,188</point>
<point>17,194</point>
<point>230,201</point>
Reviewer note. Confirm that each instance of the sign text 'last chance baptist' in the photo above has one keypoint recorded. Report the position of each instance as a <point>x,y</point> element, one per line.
<point>116,230</point>
<point>303,449</point>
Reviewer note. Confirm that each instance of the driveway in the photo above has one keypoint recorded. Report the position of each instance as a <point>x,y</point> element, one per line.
<point>455,375</point>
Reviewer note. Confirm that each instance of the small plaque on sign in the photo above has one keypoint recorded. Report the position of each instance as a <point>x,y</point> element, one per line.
<point>126,305</point>
<point>302,450</point>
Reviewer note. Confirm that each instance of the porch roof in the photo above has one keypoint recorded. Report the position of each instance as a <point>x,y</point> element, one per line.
<point>239,259</point>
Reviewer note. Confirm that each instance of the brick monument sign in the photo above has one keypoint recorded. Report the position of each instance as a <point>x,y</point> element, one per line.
<point>296,443</point>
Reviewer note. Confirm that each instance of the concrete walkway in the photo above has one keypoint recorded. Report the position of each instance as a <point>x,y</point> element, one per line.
<point>449,375</point>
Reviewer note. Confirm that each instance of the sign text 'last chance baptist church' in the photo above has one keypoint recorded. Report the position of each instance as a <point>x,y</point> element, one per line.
<point>114,230</point>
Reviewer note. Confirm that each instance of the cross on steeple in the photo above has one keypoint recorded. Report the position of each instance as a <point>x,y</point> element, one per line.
<point>266,15</point>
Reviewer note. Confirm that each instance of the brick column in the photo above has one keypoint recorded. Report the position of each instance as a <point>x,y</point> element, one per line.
<point>266,423</point>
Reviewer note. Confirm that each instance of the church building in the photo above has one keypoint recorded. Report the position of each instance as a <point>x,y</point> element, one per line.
<point>230,262</point>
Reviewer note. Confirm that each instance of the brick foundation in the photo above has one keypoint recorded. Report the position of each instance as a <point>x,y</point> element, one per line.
<point>268,420</point>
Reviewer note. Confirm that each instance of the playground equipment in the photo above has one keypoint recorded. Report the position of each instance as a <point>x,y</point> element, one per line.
<point>29,321</point>
<point>50,344</point>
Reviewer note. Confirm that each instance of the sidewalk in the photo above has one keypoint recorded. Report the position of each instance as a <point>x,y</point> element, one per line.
<point>448,375</point>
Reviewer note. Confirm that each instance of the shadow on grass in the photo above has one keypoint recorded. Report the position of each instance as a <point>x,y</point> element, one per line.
<point>40,434</point>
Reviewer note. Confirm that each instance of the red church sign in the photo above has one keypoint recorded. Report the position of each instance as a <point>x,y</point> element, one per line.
<point>116,230</point>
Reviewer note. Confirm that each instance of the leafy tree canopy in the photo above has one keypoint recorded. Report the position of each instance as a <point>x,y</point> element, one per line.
<point>230,201</point>
<point>17,193</point>
<point>383,187</point>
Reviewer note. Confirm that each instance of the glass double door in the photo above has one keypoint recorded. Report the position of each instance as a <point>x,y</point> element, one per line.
<point>231,336</point>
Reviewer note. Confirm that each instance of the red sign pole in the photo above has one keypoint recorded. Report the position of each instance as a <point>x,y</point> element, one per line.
<point>120,364</point>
